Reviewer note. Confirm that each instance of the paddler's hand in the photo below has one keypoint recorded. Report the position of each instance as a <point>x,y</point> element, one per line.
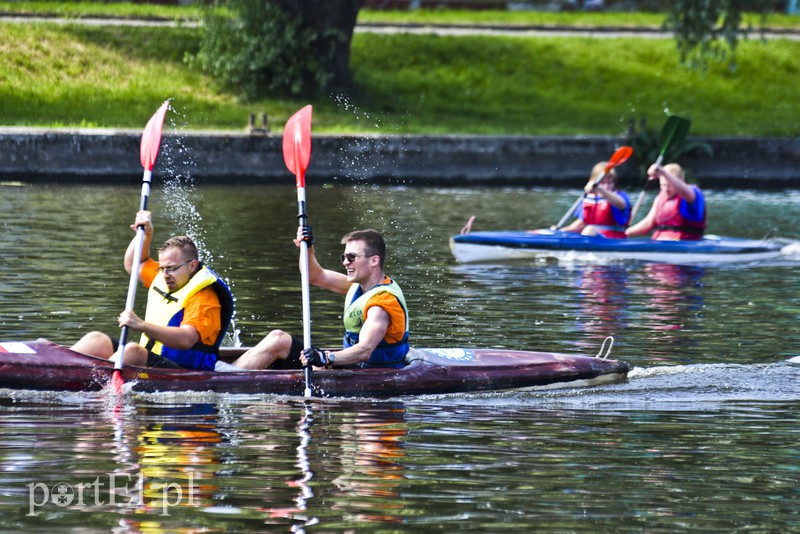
<point>304,233</point>
<point>130,319</point>
<point>145,220</point>
<point>654,172</point>
<point>317,358</point>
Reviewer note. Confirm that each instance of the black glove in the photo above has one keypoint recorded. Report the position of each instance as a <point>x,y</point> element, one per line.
<point>318,358</point>
<point>308,235</point>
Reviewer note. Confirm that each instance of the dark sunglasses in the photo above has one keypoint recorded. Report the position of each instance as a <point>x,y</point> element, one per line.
<point>351,257</point>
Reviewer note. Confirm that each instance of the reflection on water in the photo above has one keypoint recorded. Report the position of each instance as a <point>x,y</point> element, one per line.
<point>702,437</point>
<point>603,294</point>
<point>372,464</point>
<point>676,302</point>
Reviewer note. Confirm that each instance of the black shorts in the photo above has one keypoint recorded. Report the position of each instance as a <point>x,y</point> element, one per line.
<point>155,360</point>
<point>293,360</point>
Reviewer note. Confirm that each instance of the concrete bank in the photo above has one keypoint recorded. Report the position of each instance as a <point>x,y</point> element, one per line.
<point>105,156</point>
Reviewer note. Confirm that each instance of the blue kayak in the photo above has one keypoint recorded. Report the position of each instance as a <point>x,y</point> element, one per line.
<point>568,246</point>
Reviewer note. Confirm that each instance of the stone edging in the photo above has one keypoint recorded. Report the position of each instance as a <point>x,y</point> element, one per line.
<point>32,155</point>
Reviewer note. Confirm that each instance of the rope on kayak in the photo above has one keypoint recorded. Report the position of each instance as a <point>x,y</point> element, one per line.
<point>610,341</point>
<point>467,227</point>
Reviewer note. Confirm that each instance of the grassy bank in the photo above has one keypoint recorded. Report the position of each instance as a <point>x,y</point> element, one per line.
<point>74,75</point>
<point>416,16</point>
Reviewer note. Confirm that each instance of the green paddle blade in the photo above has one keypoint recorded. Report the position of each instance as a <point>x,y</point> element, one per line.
<point>673,133</point>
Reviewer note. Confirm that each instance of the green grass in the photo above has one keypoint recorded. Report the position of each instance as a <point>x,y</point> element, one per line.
<point>124,10</point>
<point>564,86</point>
<point>543,18</point>
<point>418,16</point>
<point>115,77</point>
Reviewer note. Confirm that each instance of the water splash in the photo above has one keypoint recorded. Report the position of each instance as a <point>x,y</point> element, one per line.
<point>176,162</point>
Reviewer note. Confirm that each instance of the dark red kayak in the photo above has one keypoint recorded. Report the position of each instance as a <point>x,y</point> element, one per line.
<point>44,365</point>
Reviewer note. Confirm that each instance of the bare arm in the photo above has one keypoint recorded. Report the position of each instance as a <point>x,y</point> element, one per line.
<point>613,198</point>
<point>575,226</point>
<point>644,226</point>
<point>320,277</point>
<point>177,337</point>
<point>684,190</point>
<point>143,218</point>
<point>372,333</point>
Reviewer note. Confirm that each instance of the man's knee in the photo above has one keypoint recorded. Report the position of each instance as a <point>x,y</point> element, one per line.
<point>278,339</point>
<point>135,354</point>
<point>95,344</point>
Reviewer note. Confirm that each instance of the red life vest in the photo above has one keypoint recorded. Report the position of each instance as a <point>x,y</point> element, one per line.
<point>671,224</point>
<point>597,212</point>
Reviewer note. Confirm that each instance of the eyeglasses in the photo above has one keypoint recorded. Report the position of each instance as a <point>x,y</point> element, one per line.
<point>170,270</point>
<point>350,257</point>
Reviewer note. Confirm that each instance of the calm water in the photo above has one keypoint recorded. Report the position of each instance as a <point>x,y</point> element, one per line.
<point>703,437</point>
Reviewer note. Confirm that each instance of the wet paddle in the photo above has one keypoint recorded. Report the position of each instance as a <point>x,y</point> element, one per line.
<point>151,141</point>
<point>296,155</point>
<point>618,158</point>
<point>672,134</point>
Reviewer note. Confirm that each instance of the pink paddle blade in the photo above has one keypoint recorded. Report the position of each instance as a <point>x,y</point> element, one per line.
<point>297,144</point>
<point>151,137</point>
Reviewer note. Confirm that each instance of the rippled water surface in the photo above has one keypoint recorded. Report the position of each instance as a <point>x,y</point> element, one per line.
<point>703,436</point>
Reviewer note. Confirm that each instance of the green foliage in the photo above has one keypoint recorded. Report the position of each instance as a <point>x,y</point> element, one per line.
<point>254,48</point>
<point>647,145</point>
<point>709,30</point>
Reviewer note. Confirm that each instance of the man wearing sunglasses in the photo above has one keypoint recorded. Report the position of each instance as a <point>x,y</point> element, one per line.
<point>375,312</point>
<point>189,308</point>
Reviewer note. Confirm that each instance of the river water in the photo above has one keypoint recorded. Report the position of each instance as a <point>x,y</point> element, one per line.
<point>702,437</point>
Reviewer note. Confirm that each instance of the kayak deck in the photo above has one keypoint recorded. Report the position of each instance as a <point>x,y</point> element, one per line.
<point>568,246</point>
<point>43,365</point>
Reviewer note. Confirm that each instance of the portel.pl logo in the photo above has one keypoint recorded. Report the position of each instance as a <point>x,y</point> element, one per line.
<point>113,489</point>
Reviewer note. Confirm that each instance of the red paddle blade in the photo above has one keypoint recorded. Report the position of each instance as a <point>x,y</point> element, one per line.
<point>116,382</point>
<point>297,144</point>
<point>151,137</point>
<point>620,156</point>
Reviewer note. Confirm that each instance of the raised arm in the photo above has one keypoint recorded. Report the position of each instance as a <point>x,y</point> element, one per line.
<point>613,198</point>
<point>144,219</point>
<point>317,275</point>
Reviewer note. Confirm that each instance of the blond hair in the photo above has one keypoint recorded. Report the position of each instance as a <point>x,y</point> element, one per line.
<point>675,170</point>
<point>599,169</point>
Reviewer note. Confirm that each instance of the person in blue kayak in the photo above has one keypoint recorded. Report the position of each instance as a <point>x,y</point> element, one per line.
<point>678,212</point>
<point>605,210</point>
<point>375,312</point>
<point>189,308</point>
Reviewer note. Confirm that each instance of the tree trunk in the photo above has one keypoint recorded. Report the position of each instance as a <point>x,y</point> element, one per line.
<point>333,21</point>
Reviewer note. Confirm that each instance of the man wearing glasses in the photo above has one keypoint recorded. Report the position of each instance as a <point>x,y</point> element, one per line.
<point>189,308</point>
<point>375,312</point>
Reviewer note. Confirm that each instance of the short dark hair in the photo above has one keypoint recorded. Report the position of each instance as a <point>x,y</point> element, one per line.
<point>184,243</point>
<point>376,246</point>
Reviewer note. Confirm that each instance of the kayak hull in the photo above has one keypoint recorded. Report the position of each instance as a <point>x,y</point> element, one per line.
<point>568,246</point>
<point>43,365</point>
